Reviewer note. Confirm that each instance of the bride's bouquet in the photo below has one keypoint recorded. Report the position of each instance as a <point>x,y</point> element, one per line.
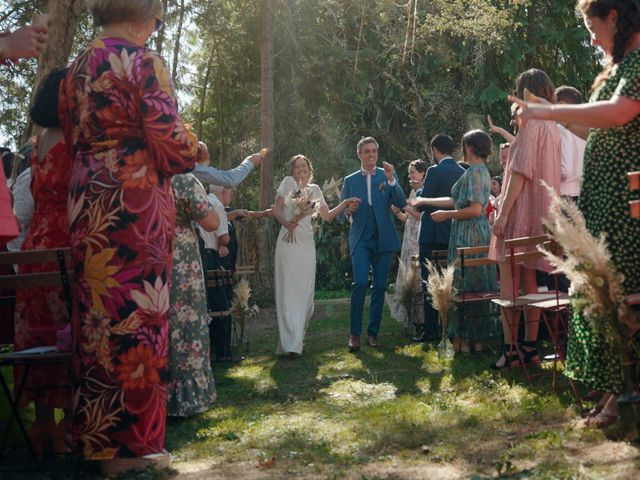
<point>302,204</point>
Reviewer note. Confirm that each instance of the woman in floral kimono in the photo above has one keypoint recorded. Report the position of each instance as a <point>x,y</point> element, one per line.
<point>120,119</point>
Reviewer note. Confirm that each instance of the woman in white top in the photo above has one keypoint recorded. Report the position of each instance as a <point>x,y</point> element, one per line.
<point>295,261</point>
<point>411,219</point>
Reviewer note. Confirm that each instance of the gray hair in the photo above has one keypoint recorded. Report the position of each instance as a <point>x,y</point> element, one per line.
<point>106,12</point>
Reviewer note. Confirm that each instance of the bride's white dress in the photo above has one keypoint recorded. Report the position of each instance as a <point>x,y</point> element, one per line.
<point>295,274</point>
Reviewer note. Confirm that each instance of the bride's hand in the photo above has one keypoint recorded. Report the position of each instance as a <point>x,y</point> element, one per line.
<point>290,225</point>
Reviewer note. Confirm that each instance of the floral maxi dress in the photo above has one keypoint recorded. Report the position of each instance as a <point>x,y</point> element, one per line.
<point>474,186</point>
<point>604,200</point>
<point>120,119</point>
<point>191,388</point>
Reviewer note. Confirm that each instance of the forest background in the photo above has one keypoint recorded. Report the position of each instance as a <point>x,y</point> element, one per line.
<point>336,70</point>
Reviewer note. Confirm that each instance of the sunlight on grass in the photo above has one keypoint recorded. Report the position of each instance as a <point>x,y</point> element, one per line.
<point>345,392</point>
<point>401,404</point>
<point>336,363</point>
<point>258,374</point>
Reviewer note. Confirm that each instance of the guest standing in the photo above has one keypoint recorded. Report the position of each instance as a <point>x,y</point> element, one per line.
<point>534,156</point>
<point>435,236</point>
<point>411,219</point>
<point>41,312</point>
<point>470,228</point>
<point>372,237</point>
<point>121,122</point>
<point>612,122</point>
<point>191,387</point>
<point>295,262</point>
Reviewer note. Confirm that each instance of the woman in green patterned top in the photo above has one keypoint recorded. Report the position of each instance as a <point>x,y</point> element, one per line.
<point>613,146</point>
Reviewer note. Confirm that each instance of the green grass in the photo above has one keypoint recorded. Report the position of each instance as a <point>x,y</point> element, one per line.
<point>333,411</point>
<point>394,413</point>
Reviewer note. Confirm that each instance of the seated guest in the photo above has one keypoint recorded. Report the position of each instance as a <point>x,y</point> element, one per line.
<point>40,313</point>
<point>190,386</point>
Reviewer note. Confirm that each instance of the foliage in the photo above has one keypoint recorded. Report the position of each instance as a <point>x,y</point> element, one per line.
<point>344,69</point>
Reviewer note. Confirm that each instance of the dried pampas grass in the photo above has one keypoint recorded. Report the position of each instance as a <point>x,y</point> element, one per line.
<point>440,287</point>
<point>596,287</point>
<point>241,311</point>
<point>409,288</point>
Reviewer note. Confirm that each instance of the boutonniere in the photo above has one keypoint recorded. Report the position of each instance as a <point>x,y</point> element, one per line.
<point>381,187</point>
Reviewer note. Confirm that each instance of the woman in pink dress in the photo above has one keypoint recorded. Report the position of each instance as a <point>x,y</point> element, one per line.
<point>534,156</point>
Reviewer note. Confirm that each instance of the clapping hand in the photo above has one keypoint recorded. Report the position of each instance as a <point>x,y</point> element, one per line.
<point>25,42</point>
<point>440,216</point>
<point>418,202</point>
<point>388,171</point>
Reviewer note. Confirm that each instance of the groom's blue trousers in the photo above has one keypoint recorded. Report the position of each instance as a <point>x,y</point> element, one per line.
<point>365,258</point>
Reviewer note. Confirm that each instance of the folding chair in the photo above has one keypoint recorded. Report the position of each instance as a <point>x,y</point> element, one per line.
<point>39,356</point>
<point>553,304</point>
<point>472,257</point>
<point>634,184</point>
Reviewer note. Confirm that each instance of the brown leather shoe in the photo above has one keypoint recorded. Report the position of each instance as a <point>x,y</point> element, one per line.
<point>354,343</point>
<point>372,341</point>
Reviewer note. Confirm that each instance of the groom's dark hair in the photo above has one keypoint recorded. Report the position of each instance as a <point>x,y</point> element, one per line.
<point>365,140</point>
<point>443,143</point>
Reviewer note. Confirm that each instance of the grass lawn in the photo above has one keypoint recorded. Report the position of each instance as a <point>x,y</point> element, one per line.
<point>394,413</point>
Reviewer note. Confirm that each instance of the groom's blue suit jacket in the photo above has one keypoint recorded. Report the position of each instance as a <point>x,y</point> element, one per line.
<point>382,196</point>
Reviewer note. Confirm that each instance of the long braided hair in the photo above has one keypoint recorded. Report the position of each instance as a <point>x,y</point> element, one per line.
<point>627,24</point>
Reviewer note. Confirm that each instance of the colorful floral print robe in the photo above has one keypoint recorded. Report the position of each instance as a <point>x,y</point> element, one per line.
<point>121,122</point>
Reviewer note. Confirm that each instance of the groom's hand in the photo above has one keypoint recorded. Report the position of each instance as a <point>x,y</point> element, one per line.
<point>388,171</point>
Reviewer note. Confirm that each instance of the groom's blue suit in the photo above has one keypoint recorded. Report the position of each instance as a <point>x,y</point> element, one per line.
<point>372,240</point>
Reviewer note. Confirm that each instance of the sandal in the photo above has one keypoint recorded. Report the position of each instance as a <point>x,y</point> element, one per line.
<point>532,355</point>
<point>598,407</point>
<point>602,420</point>
<point>509,358</point>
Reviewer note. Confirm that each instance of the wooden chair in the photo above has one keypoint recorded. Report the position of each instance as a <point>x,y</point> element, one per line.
<point>634,184</point>
<point>62,277</point>
<point>466,258</point>
<point>553,304</point>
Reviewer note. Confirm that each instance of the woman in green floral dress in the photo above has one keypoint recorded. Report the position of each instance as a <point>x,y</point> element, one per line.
<point>613,149</point>
<point>190,389</point>
<point>470,228</point>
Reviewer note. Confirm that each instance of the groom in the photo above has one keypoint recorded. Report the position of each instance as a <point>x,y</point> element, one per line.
<point>373,237</point>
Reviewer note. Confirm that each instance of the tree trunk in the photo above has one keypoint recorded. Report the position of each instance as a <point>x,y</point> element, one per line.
<point>203,95</point>
<point>264,248</point>
<point>176,46</point>
<point>63,22</point>
<point>160,37</point>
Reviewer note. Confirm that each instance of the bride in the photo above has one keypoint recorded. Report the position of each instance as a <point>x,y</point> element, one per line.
<point>295,261</point>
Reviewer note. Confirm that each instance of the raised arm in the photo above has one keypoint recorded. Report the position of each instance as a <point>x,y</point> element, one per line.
<point>508,137</point>
<point>227,178</point>
<point>615,112</point>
